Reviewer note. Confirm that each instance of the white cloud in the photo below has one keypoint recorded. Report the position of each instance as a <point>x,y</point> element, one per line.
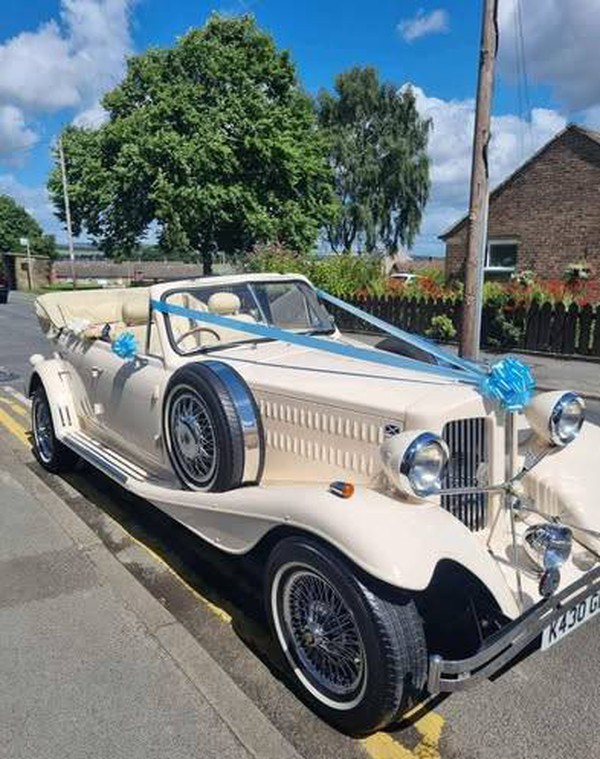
<point>422,24</point>
<point>67,62</point>
<point>15,136</point>
<point>36,70</point>
<point>92,118</point>
<point>450,146</point>
<point>561,47</point>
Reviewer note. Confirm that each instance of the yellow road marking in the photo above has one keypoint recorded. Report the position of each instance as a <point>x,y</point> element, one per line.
<point>383,746</point>
<point>430,726</point>
<point>216,610</point>
<point>14,427</point>
<point>16,407</point>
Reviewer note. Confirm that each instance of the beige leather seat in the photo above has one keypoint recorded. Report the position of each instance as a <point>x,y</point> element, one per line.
<point>228,305</point>
<point>135,313</point>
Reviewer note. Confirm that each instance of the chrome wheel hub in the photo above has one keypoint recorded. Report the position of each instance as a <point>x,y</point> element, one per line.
<point>42,430</point>
<point>193,436</point>
<point>323,633</point>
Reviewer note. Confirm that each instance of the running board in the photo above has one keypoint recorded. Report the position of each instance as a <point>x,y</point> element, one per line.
<point>104,458</point>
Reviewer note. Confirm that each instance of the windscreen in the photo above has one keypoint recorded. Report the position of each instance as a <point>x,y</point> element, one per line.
<point>290,305</point>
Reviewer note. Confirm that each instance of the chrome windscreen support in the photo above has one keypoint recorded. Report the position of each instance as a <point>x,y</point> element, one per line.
<point>510,424</point>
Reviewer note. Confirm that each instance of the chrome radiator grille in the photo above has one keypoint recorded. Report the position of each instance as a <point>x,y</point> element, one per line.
<point>467,441</point>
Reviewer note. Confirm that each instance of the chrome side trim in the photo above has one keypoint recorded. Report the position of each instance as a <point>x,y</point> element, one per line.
<point>101,459</point>
<point>249,419</point>
<point>448,676</point>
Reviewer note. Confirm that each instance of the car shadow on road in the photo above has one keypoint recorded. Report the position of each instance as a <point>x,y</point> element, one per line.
<point>229,588</point>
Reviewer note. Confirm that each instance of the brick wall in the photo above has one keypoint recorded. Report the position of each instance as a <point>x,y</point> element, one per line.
<point>551,207</point>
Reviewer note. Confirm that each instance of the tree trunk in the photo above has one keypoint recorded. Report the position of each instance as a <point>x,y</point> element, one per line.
<point>206,263</point>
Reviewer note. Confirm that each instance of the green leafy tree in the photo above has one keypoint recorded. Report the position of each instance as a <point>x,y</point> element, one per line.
<point>213,141</point>
<point>378,150</point>
<point>15,223</point>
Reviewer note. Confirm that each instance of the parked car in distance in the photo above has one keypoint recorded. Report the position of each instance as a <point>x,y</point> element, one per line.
<point>417,537</point>
<point>3,289</point>
<point>404,277</point>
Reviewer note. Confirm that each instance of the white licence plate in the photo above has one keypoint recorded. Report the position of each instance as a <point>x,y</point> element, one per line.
<point>570,620</point>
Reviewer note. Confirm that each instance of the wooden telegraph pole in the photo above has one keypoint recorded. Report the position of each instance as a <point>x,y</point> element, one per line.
<point>479,196</point>
<point>63,171</point>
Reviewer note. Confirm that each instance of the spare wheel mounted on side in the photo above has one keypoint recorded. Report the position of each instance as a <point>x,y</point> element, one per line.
<point>212,428</point>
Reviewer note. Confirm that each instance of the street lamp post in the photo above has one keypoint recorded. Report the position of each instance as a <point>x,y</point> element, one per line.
<point>65,183</point>
<point>24,242</point>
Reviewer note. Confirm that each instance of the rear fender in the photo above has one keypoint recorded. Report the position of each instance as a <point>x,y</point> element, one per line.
<point>65,392</point>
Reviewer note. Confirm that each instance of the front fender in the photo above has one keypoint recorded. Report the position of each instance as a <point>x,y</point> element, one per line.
<point>398,543</point>
<point>64,390</point>
<point>567,484</point>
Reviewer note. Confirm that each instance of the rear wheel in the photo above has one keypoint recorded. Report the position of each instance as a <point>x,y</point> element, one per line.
<point>48,450</point>
<point>360,659</point>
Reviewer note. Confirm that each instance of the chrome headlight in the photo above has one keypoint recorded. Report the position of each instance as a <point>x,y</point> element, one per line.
<point>416,462</point>
<point>566,418</point>
<point>548,545</point>
<point>556,417</point>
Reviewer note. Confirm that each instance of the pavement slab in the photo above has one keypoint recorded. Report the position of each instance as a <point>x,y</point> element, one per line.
<point>92,665</point>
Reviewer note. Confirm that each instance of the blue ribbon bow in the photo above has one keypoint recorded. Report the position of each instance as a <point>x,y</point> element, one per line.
<point>125,346</point>
<point>510,383</point>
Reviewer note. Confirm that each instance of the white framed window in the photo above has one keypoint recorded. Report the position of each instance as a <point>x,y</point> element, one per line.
<point>501,255</point>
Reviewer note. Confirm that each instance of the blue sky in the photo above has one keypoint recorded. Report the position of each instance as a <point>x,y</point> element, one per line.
<point>57,57</point>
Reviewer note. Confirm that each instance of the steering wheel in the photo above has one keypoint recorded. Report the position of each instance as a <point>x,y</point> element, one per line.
<point>193,331</point>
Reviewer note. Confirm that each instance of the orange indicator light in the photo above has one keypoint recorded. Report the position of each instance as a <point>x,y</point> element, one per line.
<point>342,489</point>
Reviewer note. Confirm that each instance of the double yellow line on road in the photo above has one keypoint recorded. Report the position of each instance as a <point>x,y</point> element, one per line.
<point>14,414</point>
<point>14,417</point>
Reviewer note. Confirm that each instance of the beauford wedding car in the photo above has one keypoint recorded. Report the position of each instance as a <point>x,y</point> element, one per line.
<point>426,519</point>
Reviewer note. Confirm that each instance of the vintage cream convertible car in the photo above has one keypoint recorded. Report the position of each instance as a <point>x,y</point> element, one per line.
<point>415,536</point>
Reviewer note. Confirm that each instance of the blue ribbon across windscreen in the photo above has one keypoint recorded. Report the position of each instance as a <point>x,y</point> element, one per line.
<point>511,385</point>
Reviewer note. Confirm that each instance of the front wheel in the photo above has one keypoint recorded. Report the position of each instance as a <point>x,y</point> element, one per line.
<point>48,450</point>
<point>360,659</point>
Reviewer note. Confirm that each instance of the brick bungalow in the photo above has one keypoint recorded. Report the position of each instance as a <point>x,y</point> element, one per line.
<point>544,216</point>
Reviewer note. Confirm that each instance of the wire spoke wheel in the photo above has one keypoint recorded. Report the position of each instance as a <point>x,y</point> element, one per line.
<point>193,436</point>
<point>322,633</point>
<point>42,429</point>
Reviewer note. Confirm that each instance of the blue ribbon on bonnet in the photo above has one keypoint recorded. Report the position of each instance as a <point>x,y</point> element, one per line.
<point>508,382</point>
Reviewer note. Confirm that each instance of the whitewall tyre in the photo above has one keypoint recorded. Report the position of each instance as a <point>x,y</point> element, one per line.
<point>358,659</point>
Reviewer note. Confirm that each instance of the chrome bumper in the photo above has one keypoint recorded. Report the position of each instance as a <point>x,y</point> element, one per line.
<point>448,676</point>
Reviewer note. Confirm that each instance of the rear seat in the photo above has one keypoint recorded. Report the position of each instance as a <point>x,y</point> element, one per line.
<point>127,310</point>
<point>135,320</point>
